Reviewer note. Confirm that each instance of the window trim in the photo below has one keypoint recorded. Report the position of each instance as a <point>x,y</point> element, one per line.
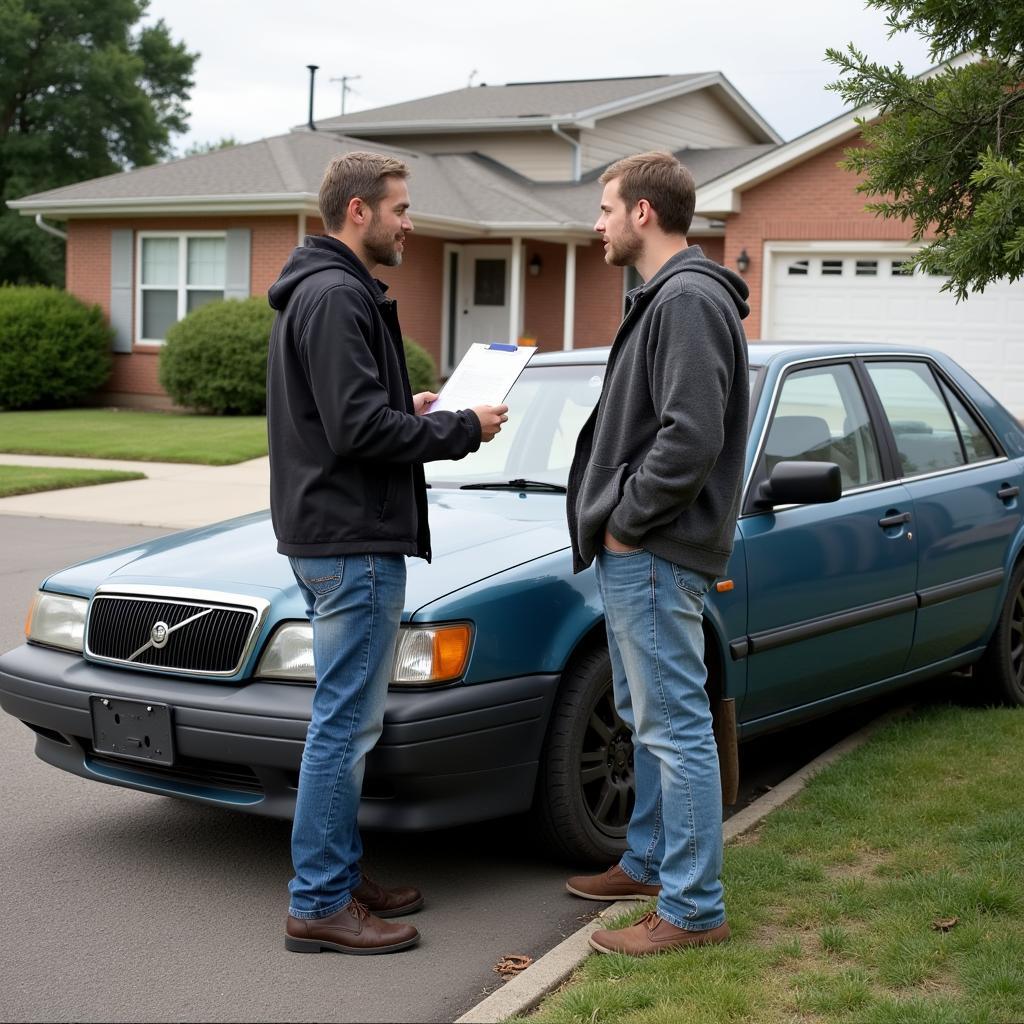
<point>183,286</point>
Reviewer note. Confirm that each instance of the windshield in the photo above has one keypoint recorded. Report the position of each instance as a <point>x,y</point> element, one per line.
<point>547,408</point>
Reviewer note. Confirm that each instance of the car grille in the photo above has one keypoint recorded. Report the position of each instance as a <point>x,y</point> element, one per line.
<point>195,636</point>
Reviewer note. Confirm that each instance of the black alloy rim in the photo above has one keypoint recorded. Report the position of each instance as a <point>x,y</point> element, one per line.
<point>1017,640</point>
<point>606,767</point>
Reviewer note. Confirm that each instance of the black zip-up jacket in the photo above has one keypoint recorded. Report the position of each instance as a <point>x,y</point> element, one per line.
<point>660,461</point>
<point>346,450</point>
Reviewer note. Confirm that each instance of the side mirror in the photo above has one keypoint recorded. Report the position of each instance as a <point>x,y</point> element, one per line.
<point>800,483</point>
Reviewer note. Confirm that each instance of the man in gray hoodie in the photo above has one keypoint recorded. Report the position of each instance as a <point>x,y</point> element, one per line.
<point>653,497</point>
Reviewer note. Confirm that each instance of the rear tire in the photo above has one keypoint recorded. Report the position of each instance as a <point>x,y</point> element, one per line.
<point>585,787</point>
<point>1002,666</point>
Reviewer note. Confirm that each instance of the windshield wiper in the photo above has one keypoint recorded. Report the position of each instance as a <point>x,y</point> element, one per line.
<point>516,485</point>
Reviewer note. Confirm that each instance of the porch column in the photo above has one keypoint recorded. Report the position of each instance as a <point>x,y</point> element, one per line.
<point>569,315</point>
<point>515,297</point>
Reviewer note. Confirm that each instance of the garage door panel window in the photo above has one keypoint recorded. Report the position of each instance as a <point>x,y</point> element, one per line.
<point>821,417</point>
<point>927,439</point>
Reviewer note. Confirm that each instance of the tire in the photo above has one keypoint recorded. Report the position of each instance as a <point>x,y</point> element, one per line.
<point>585,787</point>
<point>1002,666</point>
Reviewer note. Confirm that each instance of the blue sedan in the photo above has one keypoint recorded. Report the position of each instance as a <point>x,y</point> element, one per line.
<point>879,543</point>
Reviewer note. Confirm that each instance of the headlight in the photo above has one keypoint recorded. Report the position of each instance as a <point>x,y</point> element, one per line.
<point>425,655</point>
<point>57,620</point>
<point>289,655</point>
<point>432,654</point>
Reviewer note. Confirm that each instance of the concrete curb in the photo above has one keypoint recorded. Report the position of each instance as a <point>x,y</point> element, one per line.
<point>526,990</point>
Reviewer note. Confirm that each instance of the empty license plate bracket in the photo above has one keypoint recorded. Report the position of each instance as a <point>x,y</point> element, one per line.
<point>133,729</point>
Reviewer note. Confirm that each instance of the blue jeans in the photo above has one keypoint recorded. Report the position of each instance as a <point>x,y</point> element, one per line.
<point>653,612</point>
<point>355,605</point>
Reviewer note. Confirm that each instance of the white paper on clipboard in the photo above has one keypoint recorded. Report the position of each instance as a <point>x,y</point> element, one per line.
<point>484,377</point>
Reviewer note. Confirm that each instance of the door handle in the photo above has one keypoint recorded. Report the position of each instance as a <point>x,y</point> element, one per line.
<point>894,520</point>
<point>1007,491</point>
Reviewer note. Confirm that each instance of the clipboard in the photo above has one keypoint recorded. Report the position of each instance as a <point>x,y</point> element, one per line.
<point>484,376</point>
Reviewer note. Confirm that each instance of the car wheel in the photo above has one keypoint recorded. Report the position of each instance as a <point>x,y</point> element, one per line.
<point>585,788</point>
<point>1002,667</point>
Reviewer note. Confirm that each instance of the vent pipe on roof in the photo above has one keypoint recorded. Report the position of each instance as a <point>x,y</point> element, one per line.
<point>576,150</point>
<point>312,76</point>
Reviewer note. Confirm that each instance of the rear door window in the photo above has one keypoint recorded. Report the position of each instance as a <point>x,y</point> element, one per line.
<point>927,438</point>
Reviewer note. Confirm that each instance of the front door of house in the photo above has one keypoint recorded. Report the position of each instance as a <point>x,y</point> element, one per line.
<point>482,309</point>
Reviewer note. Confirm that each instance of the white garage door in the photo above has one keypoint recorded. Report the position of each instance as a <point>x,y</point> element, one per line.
<point>868,296</point>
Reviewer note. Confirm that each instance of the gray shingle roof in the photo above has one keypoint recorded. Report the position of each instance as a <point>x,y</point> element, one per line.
<point>456,187</point>
<point>514,101</point>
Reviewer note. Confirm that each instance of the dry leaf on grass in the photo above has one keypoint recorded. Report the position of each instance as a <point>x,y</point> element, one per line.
<point>512,963</point>
<point>943,924</point>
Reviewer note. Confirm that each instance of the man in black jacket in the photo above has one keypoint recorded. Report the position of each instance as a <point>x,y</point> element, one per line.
<point>348,501</point>
<point>653,496</point>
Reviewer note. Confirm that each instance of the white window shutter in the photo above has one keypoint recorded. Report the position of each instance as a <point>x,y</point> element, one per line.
<point>121,250</point>
<point>237,261</point>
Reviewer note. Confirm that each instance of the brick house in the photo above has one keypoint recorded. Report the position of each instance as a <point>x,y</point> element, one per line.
<point>504,196</point>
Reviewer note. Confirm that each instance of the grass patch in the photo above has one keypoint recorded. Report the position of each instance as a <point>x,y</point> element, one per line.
<point>30,479</point>
<point>834,907</point>
<point>132,434</point>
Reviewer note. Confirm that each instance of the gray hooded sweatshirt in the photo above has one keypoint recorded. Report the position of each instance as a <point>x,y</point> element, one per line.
<point>660,460</point>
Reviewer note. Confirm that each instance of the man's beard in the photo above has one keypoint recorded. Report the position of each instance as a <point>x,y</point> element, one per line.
<point>626,250</point>
<point>382,248</point>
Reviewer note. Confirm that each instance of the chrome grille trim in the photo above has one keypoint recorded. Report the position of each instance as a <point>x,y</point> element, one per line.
<point>232,620</point>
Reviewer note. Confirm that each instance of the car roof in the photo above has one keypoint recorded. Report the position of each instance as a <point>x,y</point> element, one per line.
<point>760,352</point>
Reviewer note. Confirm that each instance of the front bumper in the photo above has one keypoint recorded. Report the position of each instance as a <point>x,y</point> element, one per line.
<point>446,757</point>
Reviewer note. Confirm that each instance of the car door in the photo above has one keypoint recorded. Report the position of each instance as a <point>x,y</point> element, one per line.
<point>966,504</point>
<point>831,601</point>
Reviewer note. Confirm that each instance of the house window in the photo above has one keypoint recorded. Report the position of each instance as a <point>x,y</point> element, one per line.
<point>798,268</point>
<point>902,268</point>
<point>867,268</point>
<point>177,274</point>
<point>831,268</point>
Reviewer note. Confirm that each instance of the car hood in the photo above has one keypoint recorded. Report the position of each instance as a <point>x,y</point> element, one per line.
<point>474,535</point>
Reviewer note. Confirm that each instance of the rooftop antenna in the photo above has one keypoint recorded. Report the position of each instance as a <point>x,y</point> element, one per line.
<point>312,76</point>
<point>472,75</point>
<point>345,87</point>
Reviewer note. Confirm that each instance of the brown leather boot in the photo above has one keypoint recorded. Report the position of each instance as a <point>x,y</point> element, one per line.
<point>387,902</point>
<point>353,929</point>
<point>613,884</point>
<point>652,934</point>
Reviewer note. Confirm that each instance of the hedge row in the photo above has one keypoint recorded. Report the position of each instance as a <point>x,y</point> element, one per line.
<point>55,351</point>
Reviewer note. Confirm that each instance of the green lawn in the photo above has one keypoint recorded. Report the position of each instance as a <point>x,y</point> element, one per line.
<point>891,891</point>
<point>29,479</point>
<point>129,434</point>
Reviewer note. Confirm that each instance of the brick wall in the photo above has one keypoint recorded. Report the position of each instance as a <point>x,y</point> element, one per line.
<point>813,201</point>
<point>599,295</point>
<point>417,286</point>
<point>88,277</point>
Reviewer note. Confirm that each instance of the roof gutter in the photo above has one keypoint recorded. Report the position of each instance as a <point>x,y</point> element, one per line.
<point>577,151</point>
<point>50,229</point>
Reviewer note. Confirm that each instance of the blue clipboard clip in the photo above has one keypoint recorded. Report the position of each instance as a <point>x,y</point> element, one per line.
<point>503,348</point>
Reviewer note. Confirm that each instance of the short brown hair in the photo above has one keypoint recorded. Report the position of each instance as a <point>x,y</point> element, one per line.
<point>352,175</point>
<point>663,181</point>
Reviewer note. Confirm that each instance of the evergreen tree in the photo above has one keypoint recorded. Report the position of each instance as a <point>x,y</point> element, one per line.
<point>947,151</point>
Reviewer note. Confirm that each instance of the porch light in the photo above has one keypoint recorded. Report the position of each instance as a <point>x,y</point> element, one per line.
<point>743,262</point>
<point>534,265</point>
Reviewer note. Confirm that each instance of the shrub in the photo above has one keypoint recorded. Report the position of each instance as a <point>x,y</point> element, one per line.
<point>422,369</point>
<point>54,349</point>
<point>215,359</point>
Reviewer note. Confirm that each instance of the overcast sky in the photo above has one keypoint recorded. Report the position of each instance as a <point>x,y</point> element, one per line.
<point>251,77</point>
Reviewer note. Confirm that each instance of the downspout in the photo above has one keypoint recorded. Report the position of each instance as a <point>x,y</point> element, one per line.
<point>577,150</point>
<point>50,229</point>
